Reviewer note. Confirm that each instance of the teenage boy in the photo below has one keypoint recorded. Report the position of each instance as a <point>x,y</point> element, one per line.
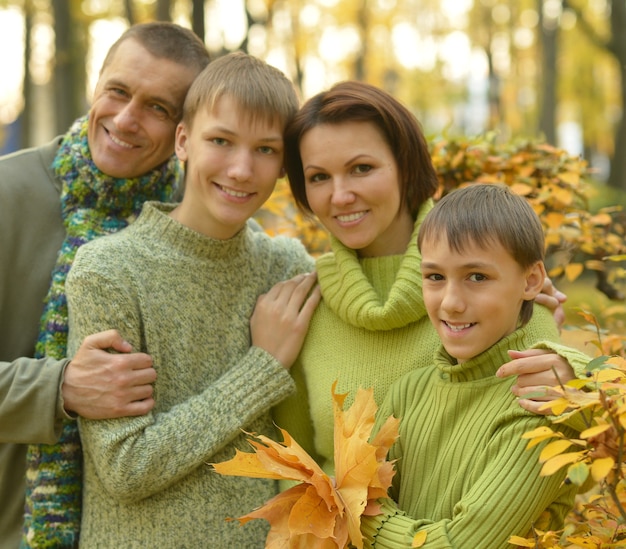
<point>181,284</point>
<point>464,476</point>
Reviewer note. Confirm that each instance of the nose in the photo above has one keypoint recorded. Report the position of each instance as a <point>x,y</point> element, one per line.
<point>342,193</point>
<point>241,166</point>
<point>127,119</point>
<point>452,300</point>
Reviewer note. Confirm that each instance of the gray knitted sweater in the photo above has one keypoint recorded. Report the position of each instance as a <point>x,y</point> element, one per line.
<point>186,299</point>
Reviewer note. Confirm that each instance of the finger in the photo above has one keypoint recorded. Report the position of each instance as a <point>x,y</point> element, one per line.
<point>311,303</point>
<point>140,369</point>
<point>534,392</point>
<point>548,301</point>
<point>303,289</point>
<point>534,407</point>
<point>138,407</point>
<point>524,362</point>
<point>110,339</point>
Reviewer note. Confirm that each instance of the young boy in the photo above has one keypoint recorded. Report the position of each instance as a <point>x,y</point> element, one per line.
<point>181,284</point>
<point>464,476</point>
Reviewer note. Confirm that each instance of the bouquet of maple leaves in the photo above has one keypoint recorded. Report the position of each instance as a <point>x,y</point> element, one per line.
<point>322,512</point>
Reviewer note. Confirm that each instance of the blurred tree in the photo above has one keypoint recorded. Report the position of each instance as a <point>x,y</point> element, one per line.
<point>27,82</point>
<point>70,68</point>
<point>197,17</point>
<point>548,32</point>
<point>613,42</point>
<point>164,10</point>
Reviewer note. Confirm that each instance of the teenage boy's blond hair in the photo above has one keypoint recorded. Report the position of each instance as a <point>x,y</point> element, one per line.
<point>263,92</point>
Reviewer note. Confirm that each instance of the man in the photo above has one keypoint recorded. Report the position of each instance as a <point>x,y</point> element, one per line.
<point>127,136</point>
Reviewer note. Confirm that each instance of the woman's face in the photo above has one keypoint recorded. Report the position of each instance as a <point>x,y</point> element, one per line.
<point>352,186</point>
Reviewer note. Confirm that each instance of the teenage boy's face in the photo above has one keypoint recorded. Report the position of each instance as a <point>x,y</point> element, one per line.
<point>233,162</point>
<point>474,298</point>
<point>137,103</point>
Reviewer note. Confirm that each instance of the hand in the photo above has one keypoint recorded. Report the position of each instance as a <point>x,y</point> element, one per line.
<point>534,372</point>
<point>99,384</point>
<point>551,298</point>
<point>281,317</point>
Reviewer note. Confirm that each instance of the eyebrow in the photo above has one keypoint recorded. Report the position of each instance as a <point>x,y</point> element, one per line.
<point>472,265</point>
<point>350,160</point>
<point>228,131</point>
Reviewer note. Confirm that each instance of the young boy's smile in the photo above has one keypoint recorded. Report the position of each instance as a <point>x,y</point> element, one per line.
<point>474,298</point>
<point>233,162</point>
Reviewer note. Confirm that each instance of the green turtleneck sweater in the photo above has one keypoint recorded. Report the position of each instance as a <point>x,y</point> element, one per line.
<point>370,328</point>
<point>185,299</point>
<point>464,475</point>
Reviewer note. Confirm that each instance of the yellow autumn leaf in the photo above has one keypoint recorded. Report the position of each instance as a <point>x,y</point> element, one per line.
<point>564,196</point>
<point>554,464</point>
<point>419,539</point>
<point>553,449</point>
<point>321,512</point>
<point>573,270</point>
<point>600,468</point>
<point>572,178</point>
<point>594,431</point>
<point>554,220</point>
<point>522,542</point>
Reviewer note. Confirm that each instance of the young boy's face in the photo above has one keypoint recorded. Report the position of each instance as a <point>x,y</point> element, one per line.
<point>233,163</point>
<point>474,298</point>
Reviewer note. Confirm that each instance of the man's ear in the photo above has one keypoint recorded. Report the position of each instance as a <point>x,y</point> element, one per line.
<point>535,276</point>
<point>180,142</point>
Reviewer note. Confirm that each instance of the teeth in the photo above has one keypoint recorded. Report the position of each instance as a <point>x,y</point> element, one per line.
<point>120,142</point>
<point>236,194</point>
<point>458,327</point>
<point>350,217</point>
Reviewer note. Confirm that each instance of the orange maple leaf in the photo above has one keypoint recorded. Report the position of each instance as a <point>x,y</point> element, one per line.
<point>322,512</point>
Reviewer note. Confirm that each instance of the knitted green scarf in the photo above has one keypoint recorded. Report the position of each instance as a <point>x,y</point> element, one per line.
<point>92,204</point>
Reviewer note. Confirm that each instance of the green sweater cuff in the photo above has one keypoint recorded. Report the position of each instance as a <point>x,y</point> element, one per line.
<point>391,529</point>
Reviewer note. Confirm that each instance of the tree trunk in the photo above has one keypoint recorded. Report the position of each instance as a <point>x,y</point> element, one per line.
<point>27,84</point>
<point>547,117</point>
<point>69,70</point>
<point>130,12</point>
<point>197,18</point>
<point>617,176</point>
<point>164,10</point>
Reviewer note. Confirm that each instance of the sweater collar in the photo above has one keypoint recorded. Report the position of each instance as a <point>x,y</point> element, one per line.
<point>349,293</point>
<point>485,364</point>
<point>155,222</point>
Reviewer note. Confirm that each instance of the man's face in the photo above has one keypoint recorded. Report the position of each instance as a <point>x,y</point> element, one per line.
<point>137,103</point>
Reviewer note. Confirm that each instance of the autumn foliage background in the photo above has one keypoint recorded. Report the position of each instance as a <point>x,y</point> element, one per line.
<point>585,231</point>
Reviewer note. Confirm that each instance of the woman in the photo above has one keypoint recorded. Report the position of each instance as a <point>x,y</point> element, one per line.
<point>357,159</point>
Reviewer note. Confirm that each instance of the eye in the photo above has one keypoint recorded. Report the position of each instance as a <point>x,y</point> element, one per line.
<point>266,150</point>
<point>317,177</point>
<point>219,141</point>
<point>435,277</point>
<point>118,91</point>
<point>477,277</point>
<point>362,168</point>
<point>160,110</point>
